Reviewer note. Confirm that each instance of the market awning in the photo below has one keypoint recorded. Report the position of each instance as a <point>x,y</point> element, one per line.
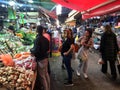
<point>106,9</point>
<point>82,5</point>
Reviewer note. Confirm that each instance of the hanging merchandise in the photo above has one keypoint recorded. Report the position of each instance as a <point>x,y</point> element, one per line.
<point>55,47</point>
<point>22,19</point>
<point>11,13</point>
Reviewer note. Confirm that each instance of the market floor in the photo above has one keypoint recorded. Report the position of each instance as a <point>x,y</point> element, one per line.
<point>97,80</point>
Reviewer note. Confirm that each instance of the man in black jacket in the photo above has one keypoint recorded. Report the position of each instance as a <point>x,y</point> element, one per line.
<point>40,51</point>
<point>109,50</point>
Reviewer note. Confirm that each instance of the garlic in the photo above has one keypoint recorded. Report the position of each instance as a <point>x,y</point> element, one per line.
<point>29,83</point>
<point>19,81</point>
<point>9,78</point>
<point>17,85</point>
<point>10,71</point>
<point>4,79</point>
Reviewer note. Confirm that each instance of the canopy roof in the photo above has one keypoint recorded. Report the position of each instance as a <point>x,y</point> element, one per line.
<point>91,8</point>
<point>109,8</point>
<point>81,5</point>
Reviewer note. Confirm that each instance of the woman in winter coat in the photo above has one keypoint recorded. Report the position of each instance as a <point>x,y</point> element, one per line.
<point>109,49</point>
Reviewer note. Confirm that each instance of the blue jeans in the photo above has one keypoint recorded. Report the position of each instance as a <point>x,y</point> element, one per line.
<point>67,61</point>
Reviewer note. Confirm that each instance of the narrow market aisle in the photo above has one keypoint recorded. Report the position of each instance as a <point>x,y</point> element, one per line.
<point>97,80</point>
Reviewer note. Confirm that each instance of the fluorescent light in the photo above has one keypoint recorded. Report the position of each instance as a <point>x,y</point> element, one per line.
<point>11,3</point>
<point>21,5</point>
<point>30,1</point>
<point>3,5</point>
<point>58,9</point>
<point>31,8</point>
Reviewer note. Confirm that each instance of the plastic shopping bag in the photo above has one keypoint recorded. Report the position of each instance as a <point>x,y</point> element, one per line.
<point>82,55</point>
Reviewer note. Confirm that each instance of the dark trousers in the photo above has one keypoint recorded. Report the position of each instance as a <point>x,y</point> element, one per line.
<point>67,61</point>
<point>112,67</point>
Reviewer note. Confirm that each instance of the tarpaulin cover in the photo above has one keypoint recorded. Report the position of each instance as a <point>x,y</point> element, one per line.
<point>80,5</point>
<point>109,8</point>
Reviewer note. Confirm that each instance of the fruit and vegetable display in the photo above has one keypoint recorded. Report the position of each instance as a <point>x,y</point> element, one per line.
<point>17,66</point>
<point>17,72</point>
<point>16,78</point>
<point>10,43</point>
<point>25,60</point>
<point>27,38</point>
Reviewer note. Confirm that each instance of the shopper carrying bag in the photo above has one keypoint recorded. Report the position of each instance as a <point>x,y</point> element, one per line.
<point>109,50</point>
<point>85,42</point>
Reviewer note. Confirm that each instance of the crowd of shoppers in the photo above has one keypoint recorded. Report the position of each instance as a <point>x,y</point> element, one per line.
<point>108,51</point>
<point>41,49</point>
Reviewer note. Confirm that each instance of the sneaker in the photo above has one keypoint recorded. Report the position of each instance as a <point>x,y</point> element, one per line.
<point>68,84</point>
<point>77,72</point>
<point>85,75</point>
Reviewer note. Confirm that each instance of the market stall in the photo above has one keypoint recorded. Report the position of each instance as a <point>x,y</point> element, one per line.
<point>17,73</point>
<point>17,66</point>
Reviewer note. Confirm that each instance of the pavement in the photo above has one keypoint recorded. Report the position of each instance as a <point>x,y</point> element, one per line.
<point>96,79</point>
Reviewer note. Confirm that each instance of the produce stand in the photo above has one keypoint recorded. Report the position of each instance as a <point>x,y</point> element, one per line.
<point>18,76</point>
<point>17,66</point>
